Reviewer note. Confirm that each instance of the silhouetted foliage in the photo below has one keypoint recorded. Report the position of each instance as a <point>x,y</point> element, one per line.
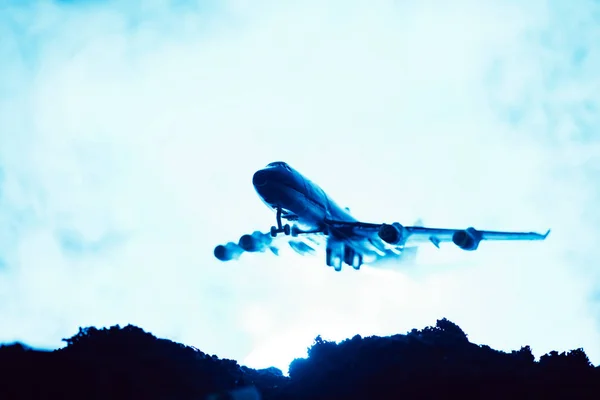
<point>437,361</point>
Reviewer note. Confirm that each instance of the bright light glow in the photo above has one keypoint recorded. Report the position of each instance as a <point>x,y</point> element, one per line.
<point>129,134</point>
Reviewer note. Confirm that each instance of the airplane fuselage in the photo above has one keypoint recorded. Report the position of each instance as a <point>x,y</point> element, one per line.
<point>280,186</point>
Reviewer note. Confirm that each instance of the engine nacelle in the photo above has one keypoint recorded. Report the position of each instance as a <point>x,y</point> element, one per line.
<point>393,234</point>
<point>228,252</point>
<point>256,242</point>
<point>467,239</point>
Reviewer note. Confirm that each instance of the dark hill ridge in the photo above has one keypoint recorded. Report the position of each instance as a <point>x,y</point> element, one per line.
<point>129,363</point>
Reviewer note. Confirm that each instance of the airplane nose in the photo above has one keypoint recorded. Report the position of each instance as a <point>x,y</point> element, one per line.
<point>260,178</point>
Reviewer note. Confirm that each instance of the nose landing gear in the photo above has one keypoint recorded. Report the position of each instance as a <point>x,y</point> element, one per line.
<point>286,229</point>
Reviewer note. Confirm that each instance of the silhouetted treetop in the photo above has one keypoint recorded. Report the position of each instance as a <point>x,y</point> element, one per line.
<point>436,361</point>
<point>572,360</point>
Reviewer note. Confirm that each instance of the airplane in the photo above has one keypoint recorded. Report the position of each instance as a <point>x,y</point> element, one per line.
<point>346,239</point>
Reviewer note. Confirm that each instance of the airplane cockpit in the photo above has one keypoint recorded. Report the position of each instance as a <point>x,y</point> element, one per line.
<point>279,164</point>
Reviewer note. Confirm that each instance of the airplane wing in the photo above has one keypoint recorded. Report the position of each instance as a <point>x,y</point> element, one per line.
<point>466,239</point>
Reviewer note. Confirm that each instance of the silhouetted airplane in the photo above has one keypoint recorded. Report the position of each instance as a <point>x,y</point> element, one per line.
<point>347,240</point>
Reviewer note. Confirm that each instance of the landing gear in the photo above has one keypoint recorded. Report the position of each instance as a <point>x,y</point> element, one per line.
<point>293,230</point>
<point>337,254</point>
<point>357,261</point>
<point>296,231</point>
<point>352,258</point>
<point>333,259</point>
<point>286,229</point>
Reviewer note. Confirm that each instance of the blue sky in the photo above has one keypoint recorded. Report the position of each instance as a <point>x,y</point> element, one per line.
<point>129,135</point>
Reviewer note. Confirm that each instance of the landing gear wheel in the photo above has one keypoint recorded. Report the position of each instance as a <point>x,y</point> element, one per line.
<point>333,259</point>
<point>295,231</point>
<point>357,261</point>
<point>337,263</point>
<point>334,254</point>
<point>328,258</point>
<point>349,255</point>
<point>276,229</point>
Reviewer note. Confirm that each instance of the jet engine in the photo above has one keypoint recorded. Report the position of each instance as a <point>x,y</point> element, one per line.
<point>467,239</point>
<point>256,242</point>
<point>227,252</point>
<point>393,234</point>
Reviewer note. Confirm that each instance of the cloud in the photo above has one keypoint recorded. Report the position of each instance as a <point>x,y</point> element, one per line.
<point>131,132</point>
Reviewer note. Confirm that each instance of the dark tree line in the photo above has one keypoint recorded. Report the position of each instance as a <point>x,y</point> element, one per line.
<point>126,363</point>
